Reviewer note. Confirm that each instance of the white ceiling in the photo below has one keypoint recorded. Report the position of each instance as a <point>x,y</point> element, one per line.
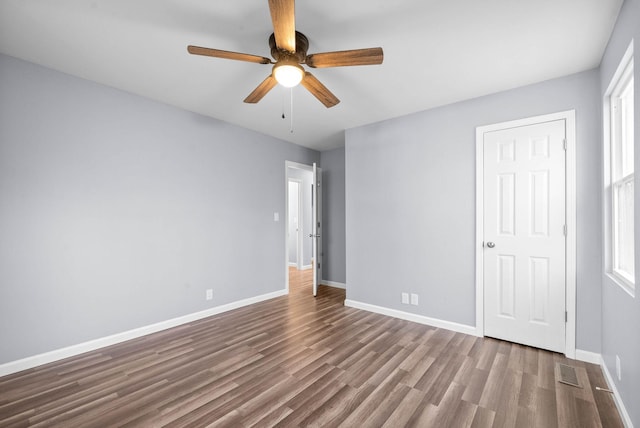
<point>436,52</point>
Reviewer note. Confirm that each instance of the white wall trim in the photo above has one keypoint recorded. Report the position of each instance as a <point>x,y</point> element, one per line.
<point>594,358</point>
<point>571,253</point>
<point>588,357</point>
<point>92,345</point>
<point>607,199</point>
<point>307,267</point>
<point>334,284</point>
<point>298,165</point>
<point>626,419</point>
<point>420,319</point>
<point>287,165</point>
<point>292,264</point>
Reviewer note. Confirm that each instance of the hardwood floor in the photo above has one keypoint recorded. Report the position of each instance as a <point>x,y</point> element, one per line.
<point>304,361</point>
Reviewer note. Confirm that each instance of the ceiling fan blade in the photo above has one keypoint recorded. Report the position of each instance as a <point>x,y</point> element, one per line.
<point>217,53</point>
<point>369,56</point>
<point>283,17</point>
<point>319,91</point>
<point>262,89</point>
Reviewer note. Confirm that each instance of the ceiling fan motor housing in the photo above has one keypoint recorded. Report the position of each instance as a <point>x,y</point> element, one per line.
<point>300,55</point>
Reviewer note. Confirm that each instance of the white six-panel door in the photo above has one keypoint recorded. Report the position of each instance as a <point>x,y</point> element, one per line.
<point>314,228</point>
<point>524,235</point>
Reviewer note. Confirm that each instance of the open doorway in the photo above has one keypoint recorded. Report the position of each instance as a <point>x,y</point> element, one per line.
<point>295,223</point>
<point>303,245</point>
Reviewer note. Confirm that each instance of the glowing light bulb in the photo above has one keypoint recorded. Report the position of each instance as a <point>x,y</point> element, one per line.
<point>288,73</point>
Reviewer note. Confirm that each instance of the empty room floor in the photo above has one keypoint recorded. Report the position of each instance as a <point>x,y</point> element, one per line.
<point>304,361</point>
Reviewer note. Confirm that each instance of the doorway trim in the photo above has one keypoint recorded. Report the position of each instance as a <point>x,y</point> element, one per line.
<point>305,167</point>
<point>570,201</point>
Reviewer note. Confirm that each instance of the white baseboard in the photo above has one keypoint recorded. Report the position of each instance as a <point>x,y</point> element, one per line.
<point>307,267</point>
<point>92,345</point>
<point>616,396</point>
<point>293,264</point>
<point>588,357</point>
<point>421,319</point>
<point>594,358</point>
<point>334,284</point>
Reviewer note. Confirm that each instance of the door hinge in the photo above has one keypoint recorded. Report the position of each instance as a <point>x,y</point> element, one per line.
<point>564,144</point>
<point>564,230</point>
<point>566,316</point>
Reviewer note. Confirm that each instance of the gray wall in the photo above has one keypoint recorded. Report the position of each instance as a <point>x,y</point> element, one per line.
<point>117,212</point>
<point>620,311</point>
<point>410,210</point>
<point>333,214</point>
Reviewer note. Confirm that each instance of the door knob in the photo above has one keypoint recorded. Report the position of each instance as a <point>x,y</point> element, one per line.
<point>491,244</point>
<point>311,235</point>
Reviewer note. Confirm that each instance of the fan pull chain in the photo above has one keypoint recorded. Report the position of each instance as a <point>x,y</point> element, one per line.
<point>291,111</point>
<point>291,114</point>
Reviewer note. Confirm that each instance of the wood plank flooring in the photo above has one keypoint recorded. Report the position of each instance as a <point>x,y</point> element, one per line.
<point>304,361</point>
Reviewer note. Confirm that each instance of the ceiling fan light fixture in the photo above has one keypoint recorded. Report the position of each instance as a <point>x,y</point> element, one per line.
<point>289,50</point>
<point>288,73</point>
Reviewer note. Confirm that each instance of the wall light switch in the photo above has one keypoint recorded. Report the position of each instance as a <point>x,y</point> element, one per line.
<point>414,299</point>
<point>405,298</point>
<point>276,216</point>
<point>209,295</point>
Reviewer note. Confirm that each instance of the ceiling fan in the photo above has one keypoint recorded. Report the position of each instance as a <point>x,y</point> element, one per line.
<point>289,50</point>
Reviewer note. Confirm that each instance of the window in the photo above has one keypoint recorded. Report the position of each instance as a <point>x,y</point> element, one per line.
<point>621,169</point>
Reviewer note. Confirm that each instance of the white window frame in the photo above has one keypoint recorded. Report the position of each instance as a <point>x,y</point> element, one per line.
<point>615,175</point>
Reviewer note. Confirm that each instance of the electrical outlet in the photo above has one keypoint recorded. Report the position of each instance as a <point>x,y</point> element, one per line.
<point>618,368</point>
<point>209,295</point>
<point>414,299</point>
<point>405,298</point>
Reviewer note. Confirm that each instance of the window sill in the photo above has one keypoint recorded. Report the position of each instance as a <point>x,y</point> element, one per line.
<point>623,283</point>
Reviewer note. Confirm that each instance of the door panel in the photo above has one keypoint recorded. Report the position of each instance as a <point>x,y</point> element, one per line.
<point>506,285</point>
<point>524,221</point>
<point>316,197</point>
<point>540,203</point>
<point>507,200</point>
<point>539,270</point>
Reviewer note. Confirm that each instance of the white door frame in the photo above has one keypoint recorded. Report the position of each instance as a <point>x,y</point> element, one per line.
<point>570,195</point>
<point>296,165</point>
